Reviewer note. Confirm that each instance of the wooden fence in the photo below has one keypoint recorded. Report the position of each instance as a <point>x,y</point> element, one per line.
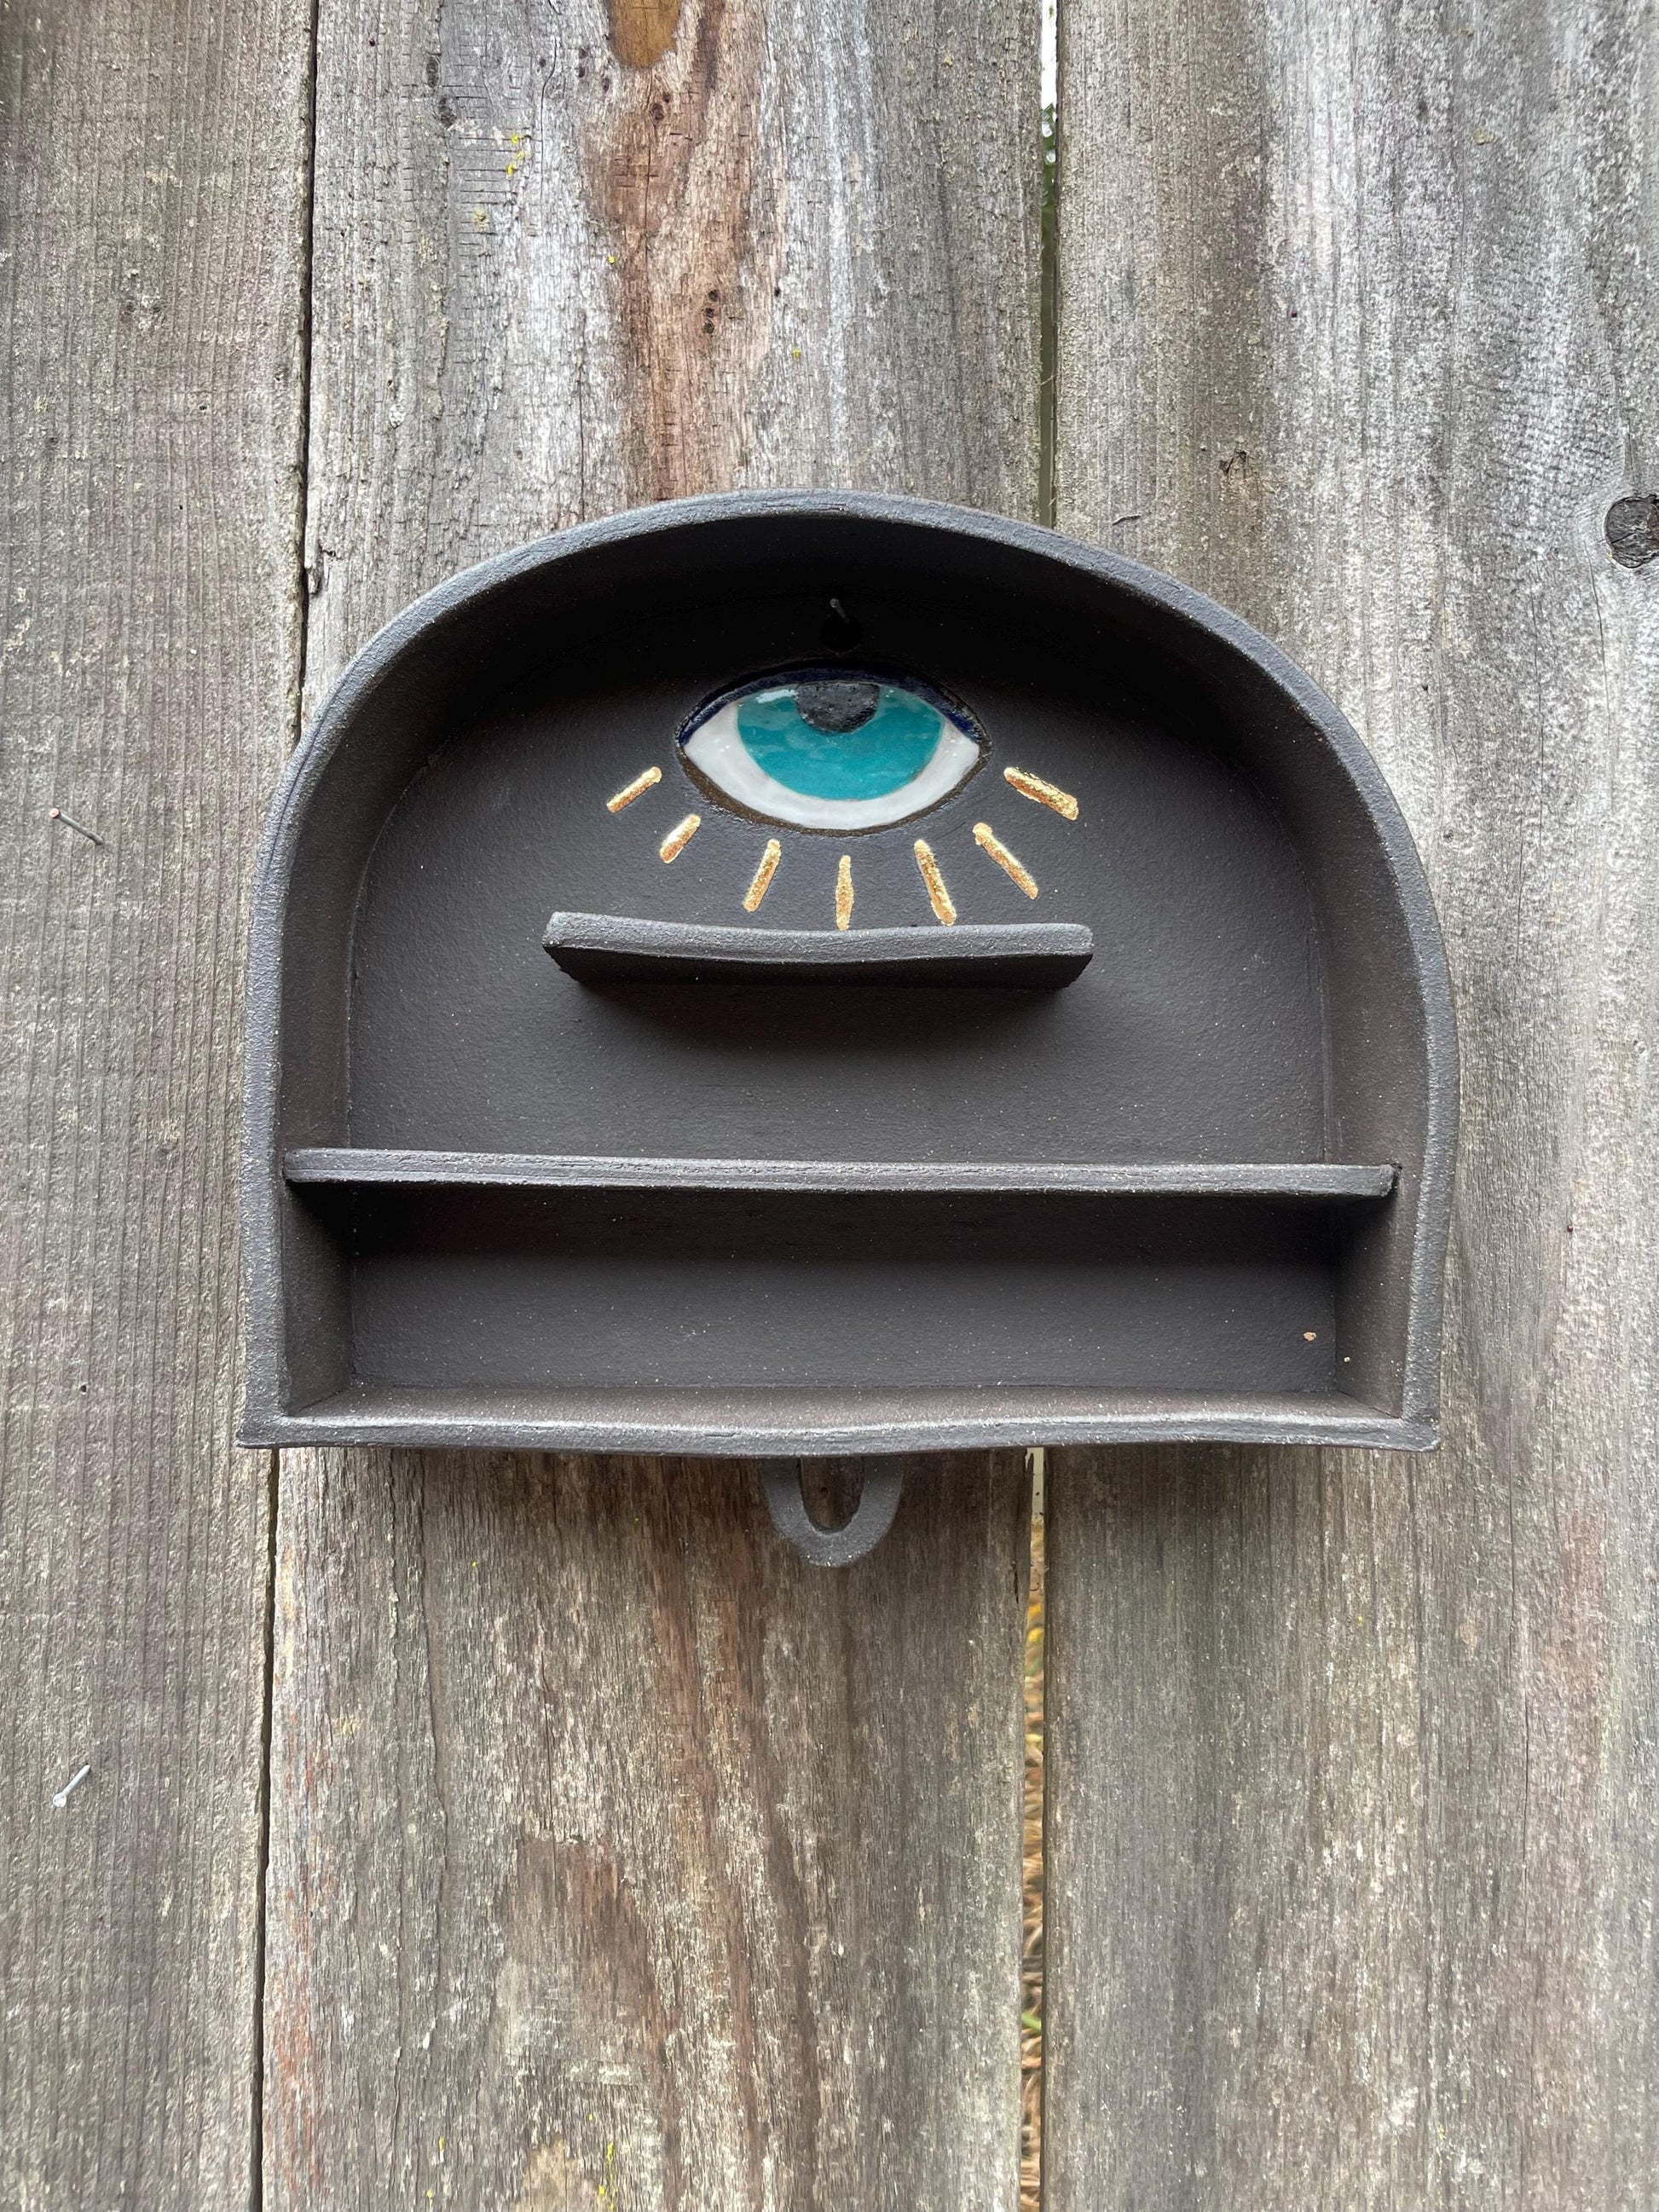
<point>508,1833</point>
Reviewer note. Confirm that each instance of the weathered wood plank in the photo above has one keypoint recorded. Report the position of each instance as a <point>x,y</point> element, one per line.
<point>615,1857</point>
<point>795,250</point>
<point>620,1857</point>
<point>153,160</point>
<point>1354,1809</point>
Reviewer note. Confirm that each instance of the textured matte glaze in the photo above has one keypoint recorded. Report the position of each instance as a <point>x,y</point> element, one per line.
<point>1266,987</point>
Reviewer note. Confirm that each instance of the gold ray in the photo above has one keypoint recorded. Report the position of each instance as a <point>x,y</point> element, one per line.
<point>630,791</point>
<point>680,837</point>
<point>764,875</point>
<point>937,896</point>
<point>985,835</point>
<point>844,892</point>
<point>1046,794</point>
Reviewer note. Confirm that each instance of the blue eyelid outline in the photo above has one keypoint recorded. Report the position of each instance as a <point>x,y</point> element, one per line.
<point>847,671</point>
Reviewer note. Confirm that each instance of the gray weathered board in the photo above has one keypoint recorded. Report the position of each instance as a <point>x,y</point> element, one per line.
<point>152,177</point>
<point>1354,1785</point>
<point>617,1858</point>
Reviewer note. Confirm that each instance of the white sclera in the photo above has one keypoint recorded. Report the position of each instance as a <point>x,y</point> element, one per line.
<point>717,752</point>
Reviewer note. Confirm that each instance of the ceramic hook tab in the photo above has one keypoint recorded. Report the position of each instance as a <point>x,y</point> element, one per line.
<point>871,1519</point>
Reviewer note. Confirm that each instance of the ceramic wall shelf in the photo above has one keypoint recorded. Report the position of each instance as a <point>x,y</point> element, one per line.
<point>807,974</point>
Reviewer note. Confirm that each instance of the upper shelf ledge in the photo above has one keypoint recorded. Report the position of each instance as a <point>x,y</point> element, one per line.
<point>603,948</point>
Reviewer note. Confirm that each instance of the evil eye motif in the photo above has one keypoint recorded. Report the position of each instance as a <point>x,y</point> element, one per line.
<point>828,749</point>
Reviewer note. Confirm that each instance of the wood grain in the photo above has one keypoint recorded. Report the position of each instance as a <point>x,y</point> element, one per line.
<point>1353,1772</point>
<point>622,1858</point>
<point>152,161</point>
<point>801,249</point>
<point>617,1859</point>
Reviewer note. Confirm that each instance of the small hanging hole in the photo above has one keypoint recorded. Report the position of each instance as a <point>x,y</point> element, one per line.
<point>831,1490</point>
<point>840,633</point>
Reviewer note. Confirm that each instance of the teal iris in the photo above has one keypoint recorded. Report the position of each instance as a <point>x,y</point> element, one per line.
<point>882,755</point>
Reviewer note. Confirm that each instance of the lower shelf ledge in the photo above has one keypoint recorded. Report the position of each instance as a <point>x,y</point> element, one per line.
<point>755,1424</point>
<point>367,1165</point>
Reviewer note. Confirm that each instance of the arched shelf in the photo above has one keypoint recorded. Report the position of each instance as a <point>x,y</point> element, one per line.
<point>1106,1090</point>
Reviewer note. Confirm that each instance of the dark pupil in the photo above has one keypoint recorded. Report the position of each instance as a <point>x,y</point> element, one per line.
<point>842,703</point>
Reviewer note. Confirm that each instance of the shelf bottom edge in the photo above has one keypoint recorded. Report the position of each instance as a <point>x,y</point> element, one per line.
<point>421,1421</point>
